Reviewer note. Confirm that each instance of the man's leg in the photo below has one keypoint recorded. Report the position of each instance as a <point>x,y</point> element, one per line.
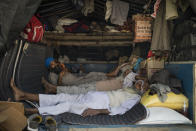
<point>49,104</point>
<point>77,89</point>
<point>43,99</point>
<point>20,95</point>
<point>49,88</point>
<point>31,110</point>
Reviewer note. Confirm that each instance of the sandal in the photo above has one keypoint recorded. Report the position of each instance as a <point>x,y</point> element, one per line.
<point>50,124</point>
<point>33,122</point>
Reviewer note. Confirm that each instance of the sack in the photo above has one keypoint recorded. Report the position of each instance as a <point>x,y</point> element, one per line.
<point>142,28</point>
<point>161,76</point>
<point>34,30</point>
<point>173,101</point>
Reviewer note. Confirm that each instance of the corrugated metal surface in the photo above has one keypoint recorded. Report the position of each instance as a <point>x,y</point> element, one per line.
<point>66,8</point>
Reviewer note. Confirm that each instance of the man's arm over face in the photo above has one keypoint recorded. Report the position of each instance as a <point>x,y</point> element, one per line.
<point>62,73</point>
<point>115,72</point>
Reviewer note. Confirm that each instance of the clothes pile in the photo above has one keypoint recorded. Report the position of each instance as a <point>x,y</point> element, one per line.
<point>71,26</point>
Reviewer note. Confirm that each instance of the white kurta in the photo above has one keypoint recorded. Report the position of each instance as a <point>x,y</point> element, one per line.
<point>77,103</point>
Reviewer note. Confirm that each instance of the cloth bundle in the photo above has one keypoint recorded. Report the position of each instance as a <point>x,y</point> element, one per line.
<point>88,7</point>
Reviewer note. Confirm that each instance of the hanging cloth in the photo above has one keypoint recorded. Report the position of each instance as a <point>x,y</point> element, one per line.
<point>162,30</point>
<point>119,12</point>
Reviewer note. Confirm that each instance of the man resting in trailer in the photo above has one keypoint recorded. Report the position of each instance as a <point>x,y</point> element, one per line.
<point>59,74</point>
<point>125,79</point>
<point>91,103</point>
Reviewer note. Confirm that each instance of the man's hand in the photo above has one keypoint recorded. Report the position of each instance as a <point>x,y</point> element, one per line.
<point>115,72</point>
<point>64,68</point>
<point>62,73</point>
<point>92,112</point>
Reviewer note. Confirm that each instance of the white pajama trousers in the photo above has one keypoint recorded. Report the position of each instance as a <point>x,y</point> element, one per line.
<point>73,103</point>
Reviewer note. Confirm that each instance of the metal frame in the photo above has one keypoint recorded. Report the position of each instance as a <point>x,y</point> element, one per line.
<point>194,94</point>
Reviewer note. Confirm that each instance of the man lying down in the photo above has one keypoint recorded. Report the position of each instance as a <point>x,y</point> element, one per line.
<point>121,77</point>
<point>91,103</point>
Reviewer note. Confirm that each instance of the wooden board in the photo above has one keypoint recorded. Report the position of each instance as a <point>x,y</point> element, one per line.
<point>92,62</point>
<point>87,43</point>
<point>88,39</point>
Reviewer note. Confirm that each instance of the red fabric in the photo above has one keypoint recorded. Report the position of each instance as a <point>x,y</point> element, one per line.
<point>150,54</point>
<point>156,6</point>
<point>76,28</point>
<point>34,30</point>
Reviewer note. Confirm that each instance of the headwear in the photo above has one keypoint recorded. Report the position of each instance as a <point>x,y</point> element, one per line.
<point>129,79</point>
<point>48,61</point>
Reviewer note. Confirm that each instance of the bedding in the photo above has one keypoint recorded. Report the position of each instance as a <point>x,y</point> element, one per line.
<point>135,114</point>
<point>162,115</point>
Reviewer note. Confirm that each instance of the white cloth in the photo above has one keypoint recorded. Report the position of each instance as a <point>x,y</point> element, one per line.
<point>64,21</point>
<point>60,103</point>
<point>129,79</point>
<point>88,7</point>
<point>121,101</point>
<point>156,6</point>
<point>108,10</point>
<point>119,12</point>
<point>171,10</point>
<point>162,115</point>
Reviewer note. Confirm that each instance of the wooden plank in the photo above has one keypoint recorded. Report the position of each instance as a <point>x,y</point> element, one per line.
<point>92,62</point>
<point>88,43</point>
<point>83,38</point>
<point>88,34</point>
<point>118,33</point>
<point>105,37</point>
<point>88,39</point>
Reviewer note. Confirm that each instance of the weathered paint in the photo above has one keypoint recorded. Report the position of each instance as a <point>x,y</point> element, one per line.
<point>185,73</point>
<point>130,128</point>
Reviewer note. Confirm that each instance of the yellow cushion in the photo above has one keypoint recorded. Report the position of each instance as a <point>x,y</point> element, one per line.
<point>174,101</point>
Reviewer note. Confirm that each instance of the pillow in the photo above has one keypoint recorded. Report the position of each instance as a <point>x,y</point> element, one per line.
<point>173,101</point>
<point>162,115</point>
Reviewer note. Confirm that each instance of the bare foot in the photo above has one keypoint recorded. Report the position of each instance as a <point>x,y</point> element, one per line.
<point>31,110</point>
<point>18,94</point>
<point>9,99</point>
<point>49,88</point>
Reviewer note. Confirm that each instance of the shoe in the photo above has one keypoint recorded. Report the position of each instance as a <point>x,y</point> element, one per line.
<point>33,122</point>
<point>50,124</point>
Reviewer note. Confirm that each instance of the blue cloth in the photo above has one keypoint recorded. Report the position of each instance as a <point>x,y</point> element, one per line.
<point>136,67</point>
<point>48,61</point>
